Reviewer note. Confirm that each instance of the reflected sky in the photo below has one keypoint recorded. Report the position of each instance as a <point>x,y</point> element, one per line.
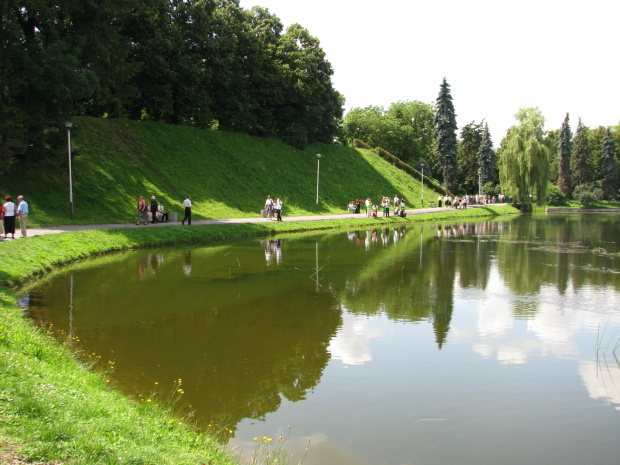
<point>428,344</point>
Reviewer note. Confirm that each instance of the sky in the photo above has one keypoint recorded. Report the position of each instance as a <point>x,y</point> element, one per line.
<point>496,55</point>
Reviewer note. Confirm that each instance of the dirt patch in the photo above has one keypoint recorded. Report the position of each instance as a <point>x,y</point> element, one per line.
<point>9,455</point>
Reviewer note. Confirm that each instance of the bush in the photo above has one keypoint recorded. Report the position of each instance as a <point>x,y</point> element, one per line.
<point>296,135</point>
<point>587,194</point>
<point>491,189</point>
<point>555,196</point>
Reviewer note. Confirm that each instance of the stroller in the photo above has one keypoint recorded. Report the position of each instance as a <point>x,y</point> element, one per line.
<point>374,211</point>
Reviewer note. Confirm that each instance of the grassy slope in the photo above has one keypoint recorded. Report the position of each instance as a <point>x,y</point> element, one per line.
<point>227,175</point>
<point>50,405</point>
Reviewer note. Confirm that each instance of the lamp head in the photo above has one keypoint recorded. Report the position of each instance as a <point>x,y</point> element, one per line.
<point>68,124</point>
<point>318,155</point>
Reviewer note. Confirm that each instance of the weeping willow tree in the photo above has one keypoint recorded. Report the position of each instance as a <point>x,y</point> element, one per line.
<point>524,166</point>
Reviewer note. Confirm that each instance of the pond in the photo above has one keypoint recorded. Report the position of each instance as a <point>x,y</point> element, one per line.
<point>469,343</point>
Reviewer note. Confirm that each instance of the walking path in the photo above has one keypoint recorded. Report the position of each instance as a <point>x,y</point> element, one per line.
<point>82,227</point>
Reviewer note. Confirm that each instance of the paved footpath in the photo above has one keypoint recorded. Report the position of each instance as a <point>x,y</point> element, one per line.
<point>83,227</point>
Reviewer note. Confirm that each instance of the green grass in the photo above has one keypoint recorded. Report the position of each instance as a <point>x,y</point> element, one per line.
<point>52,409</point>
<point>55,410</point>
<point>227,175</point>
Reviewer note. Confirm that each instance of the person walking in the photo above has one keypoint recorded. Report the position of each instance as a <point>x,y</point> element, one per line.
<point>153,209</point>
<point>187,203</point>
<point>368,204</point>
<point>8,215</point>
<point>142,211</point>
<point>278,208</point>
<point>269,206</point>
<point>22,212</point>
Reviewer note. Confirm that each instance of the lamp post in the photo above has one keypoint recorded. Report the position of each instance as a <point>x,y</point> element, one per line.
<point>318,161</point>
<point>68,125</point>
<point>422,166</point>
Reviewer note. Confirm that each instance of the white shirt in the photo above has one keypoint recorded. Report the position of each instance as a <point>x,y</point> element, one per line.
<point>9,209</point>
<point>187,203</point>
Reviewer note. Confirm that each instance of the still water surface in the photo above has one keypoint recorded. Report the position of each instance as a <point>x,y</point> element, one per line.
<point>489,342</point>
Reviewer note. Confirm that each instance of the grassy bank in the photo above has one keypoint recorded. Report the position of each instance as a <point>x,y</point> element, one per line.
<point>55,410</point>
<point>227,175</point>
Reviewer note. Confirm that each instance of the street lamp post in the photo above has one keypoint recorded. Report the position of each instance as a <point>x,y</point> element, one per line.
<point>68,125</point>
<point>422,166</point>
<point>318,161</point>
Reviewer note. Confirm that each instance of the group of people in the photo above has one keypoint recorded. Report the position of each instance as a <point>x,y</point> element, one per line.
<point>463,201</point>
<point>8,214</point>
<point>371,209</point>
<point>399,206</point>
<point>273,207</point>
<point>153,213</point>
<point>156,213</point>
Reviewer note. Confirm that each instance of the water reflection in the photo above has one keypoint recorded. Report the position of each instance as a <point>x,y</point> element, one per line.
<point>418,316</point>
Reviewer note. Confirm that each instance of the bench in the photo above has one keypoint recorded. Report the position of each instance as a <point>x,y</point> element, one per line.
<point>432,204</point>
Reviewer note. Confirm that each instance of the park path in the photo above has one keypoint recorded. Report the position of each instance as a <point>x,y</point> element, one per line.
<point>32,232</point>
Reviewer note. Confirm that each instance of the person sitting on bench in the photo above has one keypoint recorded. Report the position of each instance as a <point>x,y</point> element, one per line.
<point>161,213</point>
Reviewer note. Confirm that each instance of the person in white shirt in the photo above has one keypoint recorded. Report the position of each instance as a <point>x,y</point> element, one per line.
<point>161,213</point>
<point>8,215</point>
<point>22,213</point>
<point>269,206</point>
<point>278,208</point>
<point>187,203</point>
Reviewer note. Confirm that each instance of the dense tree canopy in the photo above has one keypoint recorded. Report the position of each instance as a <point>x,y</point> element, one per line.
<point>406,130</point>
<point>203,63</point>
<point>609,169</point>
<point>445,133</point>
<point>565,151</point>
<point>469,145</point>
<point>523,159</point>
<point>582,157</point>
<point>487,158</point>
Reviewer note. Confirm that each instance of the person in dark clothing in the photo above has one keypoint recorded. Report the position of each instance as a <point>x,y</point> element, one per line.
<point>154,206</point>
<point>187,203</point>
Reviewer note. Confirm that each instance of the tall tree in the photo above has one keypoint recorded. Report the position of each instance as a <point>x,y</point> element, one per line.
<point>487,158</point>
<point>609,168</point>
<point>406,130</point>
<point>582,157</point>
<point>445,133</point>
<point>565,150</point>
<point>523,159</point>
<point>469,145</point>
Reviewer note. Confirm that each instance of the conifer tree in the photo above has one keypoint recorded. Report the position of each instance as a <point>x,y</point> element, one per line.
<point>609,168</point>
<point>581,158</point>
<point>487,158</point>
<point>565,149</point>
<point>445,132</point>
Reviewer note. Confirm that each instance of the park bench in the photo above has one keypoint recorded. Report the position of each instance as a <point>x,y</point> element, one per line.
<point>432,204</point>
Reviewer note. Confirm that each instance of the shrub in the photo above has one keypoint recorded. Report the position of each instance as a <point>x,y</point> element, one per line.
<point>491,189</point>
<point>555,196</point>
<point>587,194</point>
<point>296,135</point>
